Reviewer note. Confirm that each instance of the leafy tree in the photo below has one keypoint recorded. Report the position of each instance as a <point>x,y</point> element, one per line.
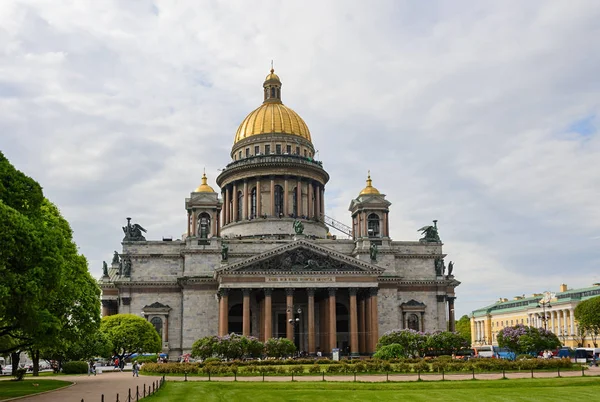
<point>463,327</point>
<point>47,295</point>
<point>130,334</point>
<point>231,346</point>
<point>587,314</point>
<point>279,347</point>
<point>523,339</point>
<point>445,343</point>
<point>413,343</point>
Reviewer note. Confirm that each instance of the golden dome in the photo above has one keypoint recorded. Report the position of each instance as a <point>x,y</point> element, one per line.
<point>272,117</point>
<point>369,189</point>
<point>204,188</point>
<point>272,76</point>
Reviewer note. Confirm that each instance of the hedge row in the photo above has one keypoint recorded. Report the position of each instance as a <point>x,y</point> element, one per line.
<point>75,368</point>
<point>356,366</point>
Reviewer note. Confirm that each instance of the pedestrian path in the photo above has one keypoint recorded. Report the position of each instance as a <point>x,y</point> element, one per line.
<point>91,389</point>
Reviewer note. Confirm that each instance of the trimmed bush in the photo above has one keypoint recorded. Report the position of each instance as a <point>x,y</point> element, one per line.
<point>296,370</point>
<point>421,366</point>
<point>315,369</point>
<point>75,368</point>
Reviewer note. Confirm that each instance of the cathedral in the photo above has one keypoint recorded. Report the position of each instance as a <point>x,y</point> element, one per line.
<point>258,258</point>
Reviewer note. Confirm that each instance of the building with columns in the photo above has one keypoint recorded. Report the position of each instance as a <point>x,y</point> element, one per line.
<point>257,257</point>
<point>553,311</point>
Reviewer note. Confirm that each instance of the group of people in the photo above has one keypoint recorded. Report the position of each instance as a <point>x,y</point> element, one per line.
<point>119,365</point>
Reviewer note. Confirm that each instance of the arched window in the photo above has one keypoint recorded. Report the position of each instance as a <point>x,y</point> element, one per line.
<point>295,202</point>
<point>203,225</point>
<point>373,225</point>
<point>272,92</point>
<point>413,322</point>
<point>240,205</point>
<point>278,200</point>
<point>157,322</point>
<point>253,203</point>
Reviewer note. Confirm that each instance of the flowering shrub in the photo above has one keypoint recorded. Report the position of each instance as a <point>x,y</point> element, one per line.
<point>231,346</point>
<point>279,347</point>
<point>407,343</point>
<point>523,339</point>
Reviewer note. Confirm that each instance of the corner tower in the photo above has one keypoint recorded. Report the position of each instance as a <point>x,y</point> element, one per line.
<point>273,178</point>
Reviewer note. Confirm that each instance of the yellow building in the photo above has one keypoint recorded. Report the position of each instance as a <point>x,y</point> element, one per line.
<point>553,311</point>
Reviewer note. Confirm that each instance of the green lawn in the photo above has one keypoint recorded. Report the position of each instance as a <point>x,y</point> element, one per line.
<point>12,389</point>
<point>558,389</point>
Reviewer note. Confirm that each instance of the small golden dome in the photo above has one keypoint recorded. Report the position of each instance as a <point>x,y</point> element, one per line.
<point>272,76</point>
<point>369,189</point>
<point>204,187</point>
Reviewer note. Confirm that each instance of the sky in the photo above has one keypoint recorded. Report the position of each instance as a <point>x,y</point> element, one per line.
<point>483,115</point>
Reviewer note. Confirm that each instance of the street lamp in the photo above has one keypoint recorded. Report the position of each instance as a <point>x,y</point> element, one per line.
<point>545,303</point>
<point>294,321</point>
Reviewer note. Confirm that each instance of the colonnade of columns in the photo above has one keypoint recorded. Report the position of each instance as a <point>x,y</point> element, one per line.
<point>483,332</point>
<point>363,332</point>
<point>560,322</point>
<point>313,191</point>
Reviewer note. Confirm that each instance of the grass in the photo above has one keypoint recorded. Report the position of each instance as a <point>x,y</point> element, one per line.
<point>556,389</point>
<point>12,389</point>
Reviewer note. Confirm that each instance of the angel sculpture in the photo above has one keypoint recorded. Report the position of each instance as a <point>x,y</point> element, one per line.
<point>430,233</point>
<point>133,232</point>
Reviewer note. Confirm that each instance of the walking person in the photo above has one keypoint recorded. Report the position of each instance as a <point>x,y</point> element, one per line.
<point>136,369</point>
<point>122,364</point>
<point>91,368</point>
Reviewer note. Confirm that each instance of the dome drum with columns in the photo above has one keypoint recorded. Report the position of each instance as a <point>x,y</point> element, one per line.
<point>243,266</point>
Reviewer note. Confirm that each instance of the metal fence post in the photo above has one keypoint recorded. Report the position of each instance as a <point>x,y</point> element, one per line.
<point>419,375</point>
<point>559,371</point>
<point>355,376</point>
<point>137,392</point>
<point>323,375</point>
<point>129,397</point>
<point>473,373</point>
<point>443,377</point>
<point>531,373</point>
<point>582,373</point>
<point>387,377</point>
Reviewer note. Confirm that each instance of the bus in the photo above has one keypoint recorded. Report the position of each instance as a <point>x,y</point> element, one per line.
<point>586,355</point>
<point>484,351</point>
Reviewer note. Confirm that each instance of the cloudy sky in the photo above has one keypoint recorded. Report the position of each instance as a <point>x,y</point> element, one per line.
<point>481,114</point>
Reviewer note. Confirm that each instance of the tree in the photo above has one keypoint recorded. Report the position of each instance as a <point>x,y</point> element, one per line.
<point>587,314</point>
<point>412,343</point>
<point>463,327</point>
<point>279,347</point>
<point>445,343</point>
<point>523,339</point>
<point>47,295</point>
<point>130,334</point>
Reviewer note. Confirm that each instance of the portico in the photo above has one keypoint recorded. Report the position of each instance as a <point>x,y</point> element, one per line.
<point>318,300</point>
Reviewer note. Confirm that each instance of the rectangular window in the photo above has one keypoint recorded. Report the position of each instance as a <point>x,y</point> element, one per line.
<point>240,155</point>
<point>297,150</point>
<point>278,149</point>
<point>247,152</point>
<point>288,149</point>
<point>256,150</point>
<point>267,149</point>
<point>305,153</point>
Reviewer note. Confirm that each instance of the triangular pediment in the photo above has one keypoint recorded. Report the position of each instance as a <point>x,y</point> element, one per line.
<point>412,303</point>
<point>301,257</point>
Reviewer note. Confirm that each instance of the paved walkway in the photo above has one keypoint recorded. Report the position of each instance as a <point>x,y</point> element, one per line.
<point>90,389</point>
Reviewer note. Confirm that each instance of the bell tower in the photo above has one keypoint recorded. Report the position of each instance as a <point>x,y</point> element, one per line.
<point>204,209</point>
<point>370,221</point>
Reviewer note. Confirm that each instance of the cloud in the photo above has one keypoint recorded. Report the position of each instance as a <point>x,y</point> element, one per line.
<point>481,115</point>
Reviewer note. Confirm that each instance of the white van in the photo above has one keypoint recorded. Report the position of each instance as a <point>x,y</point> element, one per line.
<point>484,351</point>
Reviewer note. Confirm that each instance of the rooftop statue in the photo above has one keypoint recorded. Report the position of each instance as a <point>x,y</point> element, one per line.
<point>104,269</point>
<point>116,258</point>
<point>127,267</point>
<point>430,234</point>
<point>450,268</point>
<point>133,232</point>
<point>224,251</point>
<point>298,227</point>
<point>373,251</point>
<point>440,267</point>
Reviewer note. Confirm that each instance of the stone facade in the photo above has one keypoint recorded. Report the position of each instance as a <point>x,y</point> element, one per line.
<point>258,259</point>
